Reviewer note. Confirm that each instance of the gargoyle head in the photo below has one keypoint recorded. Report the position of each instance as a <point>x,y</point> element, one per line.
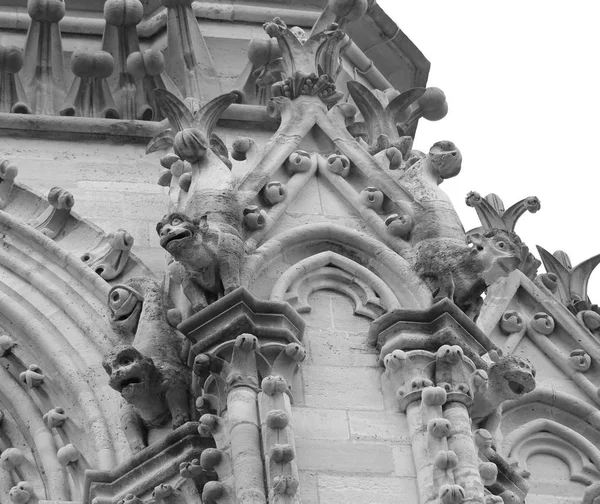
<point>130,373</point>
<point>178,233</point>
<point>125,305</point>
<point>445,159</point>
<point>498,251</point>
<point>512,376</point>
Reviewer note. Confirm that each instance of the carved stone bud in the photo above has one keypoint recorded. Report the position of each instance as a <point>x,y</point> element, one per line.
<point>6,345</point>
<point>590,319</point>
<point>185,181</point>
<point>11,458</point>
<point>339,164</point>
<point>208,425</point>
<point>11,59</point>
<point>580,360</point>
<point>399,225</point>
<point>282,453</point>
<point>351,10</point>
<point>372,198</point>
<point>439,427</point>
<point>50,11</point>
<point>123,12</point>
<point>511,322</point>
<point>190,144</point>
<point>213,491</point>
<point>480,380</point>
<point>434,396</point>
<point>86,64</point>
<point>55,418</point>
<point>274,192</point>
<point>162,491</point>
<point>277,419</point>
<point>130,499</point>
<point>21,492</point>
<point>488,472</point>
<point>261,51</point>
<point>550,281</point>
<point>67,454</point>
<point>446,460</point>
<point>348,110</point>
<point>299,162</point>
<point>168,159</point>
<point>483,440</point>
<point>285,485</point>
<point>254,217</point>
<point>542,323</point>
<point>239,148</point>
<point>150,62</point>
<point>273,385</point>
<point>451,494</point>
<point>178,168</point>
<point>395,158</point>
<point>433,104</point>
<point>190,469</point>
<point>32,376</point>
<point>210,458</point>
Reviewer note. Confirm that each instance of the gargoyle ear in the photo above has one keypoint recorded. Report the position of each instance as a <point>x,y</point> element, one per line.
<point>476,239</point>
<point>160,224</point>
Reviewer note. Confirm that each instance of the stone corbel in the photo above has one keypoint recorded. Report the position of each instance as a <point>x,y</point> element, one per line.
<point>42,73</point>
<point>8,173</point>
<point>120,39</point>
<point>110,257</point>
<point>54,218</point>
<point>190,63</point>
<point>12,93</point>
<point>90,94</point>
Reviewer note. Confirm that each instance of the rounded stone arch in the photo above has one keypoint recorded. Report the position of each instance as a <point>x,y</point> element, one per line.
<point>350,249</point>
<point>54,330</point>
<point>556,424</point>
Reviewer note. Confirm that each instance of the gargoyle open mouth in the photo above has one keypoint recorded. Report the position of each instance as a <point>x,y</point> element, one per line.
<point>174,236</point>
<point>127,382</point>
<point>516,387</point>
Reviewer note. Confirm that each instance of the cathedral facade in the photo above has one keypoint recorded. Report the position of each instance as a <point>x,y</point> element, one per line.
<point>229,272</point>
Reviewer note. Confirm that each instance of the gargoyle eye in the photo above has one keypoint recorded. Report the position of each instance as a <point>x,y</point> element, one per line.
<point>126,361</point>
<point>501,244</point>
<point>176,222</point>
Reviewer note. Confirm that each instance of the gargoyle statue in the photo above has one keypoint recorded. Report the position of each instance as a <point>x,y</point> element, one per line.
<point>210,255</point>
<point>149,374</point>
<point>441,255</point>
<point>509,377</point>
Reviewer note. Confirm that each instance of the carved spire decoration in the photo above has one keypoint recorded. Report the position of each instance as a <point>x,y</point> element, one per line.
<point>189,63</point>
<point>42,73</point>
<point>12,93</point>
<point>310,65</point>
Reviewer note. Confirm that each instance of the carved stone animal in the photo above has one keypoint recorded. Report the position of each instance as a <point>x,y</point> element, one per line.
<point>150,374</point>
<point>508,378</point>
<point>461,272</point>
<point>210,254</point>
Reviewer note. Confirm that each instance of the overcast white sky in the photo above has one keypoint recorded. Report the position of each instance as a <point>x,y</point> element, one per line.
<point>522,79</point>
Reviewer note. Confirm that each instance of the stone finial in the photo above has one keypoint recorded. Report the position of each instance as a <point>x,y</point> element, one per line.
<point>274,192</point>
<point>6,345</point>
<point>312,66</point>
<point>22,493</point>
<point>11,458</point>
<point>68,454</point>
<point>32,376</point>
<point>492,214</point>
<point>123,12</point>
<point>55,418</point>
<point>13,98</point>
<point>52,221</point>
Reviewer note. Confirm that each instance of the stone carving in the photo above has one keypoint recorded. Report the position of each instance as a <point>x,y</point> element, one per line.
<point>42,73</point>
<point>55,418</point>
<point>310,66</point>
<point>22,493</point>
<point>110,257</point>
<point>510,377</point>
<point>52,221</point>
<point>8,173</point>
<point>462,273</point>
<point>149,374</point>
<point>492,215</point>
<point>13,97</point>
<point>210,255</point>
<point>90,94</point>
<point>32,376</point>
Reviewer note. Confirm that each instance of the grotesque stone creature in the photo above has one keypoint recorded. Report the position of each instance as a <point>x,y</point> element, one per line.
<point>149,374</point>
<point>509,378</point>
<point>462,272</point>
<point>210,255</point>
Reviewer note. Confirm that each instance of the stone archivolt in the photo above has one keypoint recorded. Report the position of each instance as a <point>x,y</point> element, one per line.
<point>208,360</point>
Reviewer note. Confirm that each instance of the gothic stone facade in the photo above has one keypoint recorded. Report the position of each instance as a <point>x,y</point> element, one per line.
<point>228,276</point>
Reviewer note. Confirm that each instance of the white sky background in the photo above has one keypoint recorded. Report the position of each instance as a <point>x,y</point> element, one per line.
<point>522,79</point>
